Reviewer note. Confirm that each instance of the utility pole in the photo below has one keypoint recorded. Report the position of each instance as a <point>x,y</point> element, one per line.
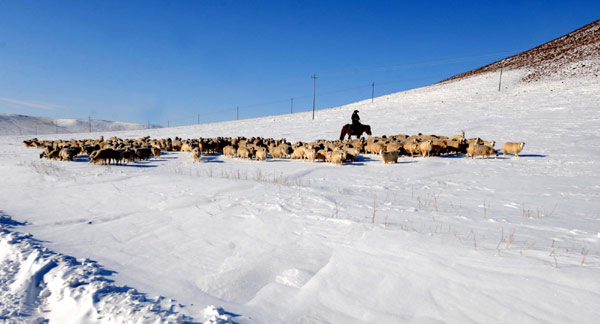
<point>90,122</point>
<point>372,91</point>
<point>500,83</point>
<point>292,108</point>
<point>148,124</point>
<point>237,113</point>
<point>314,87</point>
<point>198,118</point>
<point>168,123</point>
<point>55,127</point>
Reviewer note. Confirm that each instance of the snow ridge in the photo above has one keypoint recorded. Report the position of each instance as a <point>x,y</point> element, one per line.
<point>40,285</point>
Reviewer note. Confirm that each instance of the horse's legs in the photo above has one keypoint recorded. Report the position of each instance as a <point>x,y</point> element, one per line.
<point>343,133</point>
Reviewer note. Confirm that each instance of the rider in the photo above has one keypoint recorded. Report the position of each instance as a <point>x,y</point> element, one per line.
<point>355,120</point>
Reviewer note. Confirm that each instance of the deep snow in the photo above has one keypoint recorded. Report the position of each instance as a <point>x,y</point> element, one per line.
<point>437,240</point>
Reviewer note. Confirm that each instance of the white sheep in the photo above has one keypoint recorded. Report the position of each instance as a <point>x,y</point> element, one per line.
<point>389,157</point>
<point>196,154</point>
<point>512,148</point>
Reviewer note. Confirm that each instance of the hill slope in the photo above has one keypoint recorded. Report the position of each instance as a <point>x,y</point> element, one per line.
<point>29,125</point>
<point>573,54</point>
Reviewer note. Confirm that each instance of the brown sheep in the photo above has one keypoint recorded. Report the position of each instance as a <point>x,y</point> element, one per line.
<point>155,151</point>
<point>105,156</point>
<point>512,148</point>
<point>128,155</point>
<point>143,153</point>
<point>483,150</point>
<point>321,155</point>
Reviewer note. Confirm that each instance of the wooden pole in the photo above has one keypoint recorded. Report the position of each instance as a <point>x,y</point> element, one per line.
<point>372,91</point>
<point>314,88</point>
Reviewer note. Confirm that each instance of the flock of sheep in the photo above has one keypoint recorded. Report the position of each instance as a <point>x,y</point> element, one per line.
<point>116,150</point>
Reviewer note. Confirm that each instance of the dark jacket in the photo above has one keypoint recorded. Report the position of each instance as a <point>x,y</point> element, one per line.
<point>355,119</point>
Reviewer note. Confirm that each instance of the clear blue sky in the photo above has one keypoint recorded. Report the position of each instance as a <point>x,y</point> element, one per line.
<point>171,60</point>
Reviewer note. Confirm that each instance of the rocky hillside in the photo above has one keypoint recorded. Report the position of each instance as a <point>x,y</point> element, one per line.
<point>576,53</point>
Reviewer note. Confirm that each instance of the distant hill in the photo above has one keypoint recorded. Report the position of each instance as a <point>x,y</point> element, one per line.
<point>30,125</point>
<point>576,53</point>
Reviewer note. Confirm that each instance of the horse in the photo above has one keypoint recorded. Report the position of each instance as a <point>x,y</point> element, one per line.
<point>349,130</point>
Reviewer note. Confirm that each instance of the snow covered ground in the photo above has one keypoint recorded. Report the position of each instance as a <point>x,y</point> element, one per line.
<point>434,240</point>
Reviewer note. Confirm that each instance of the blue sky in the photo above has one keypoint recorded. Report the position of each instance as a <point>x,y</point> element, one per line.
<point>161,61</point>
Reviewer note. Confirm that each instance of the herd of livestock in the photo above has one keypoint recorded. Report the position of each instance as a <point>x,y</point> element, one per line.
<point>116,150</point>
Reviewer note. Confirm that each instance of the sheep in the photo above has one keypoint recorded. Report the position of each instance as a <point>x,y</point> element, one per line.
<point>311,154</point>
<point>458,137</point>
<point>155,151</point>
<point>105,156</point>
<point>321,155</point>
<point>389,157</point>
<point>143,153</point>
<point>196,154</point>
<point>337,157</point>
<point>456,146</point>
<point>30,143</point>
<point>299,153</point>
<point>67,153</point>
<point>425,148</point>
<point>438,147</point>
<point>127,155</point>
<point>393,146</point>
<point>278,152</point>
<point>374,147</point>
<point>489,143</point>
<point>351,153</point>
<point>411,147</point>
<point>229,151</point>
<point>483,150</point>
<point>512,148</point>
<point>188,147</point>
<point>245,152</point>
<point>261,153</point>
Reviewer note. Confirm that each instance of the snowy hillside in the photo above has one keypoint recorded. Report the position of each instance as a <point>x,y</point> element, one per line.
<point>30,125</point>
<point>575,54</point>
<point>427,240</point>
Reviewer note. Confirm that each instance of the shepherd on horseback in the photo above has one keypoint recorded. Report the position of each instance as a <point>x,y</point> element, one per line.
<point>356,128</point>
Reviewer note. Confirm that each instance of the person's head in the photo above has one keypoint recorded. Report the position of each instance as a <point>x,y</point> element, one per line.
<point>356,111</point>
